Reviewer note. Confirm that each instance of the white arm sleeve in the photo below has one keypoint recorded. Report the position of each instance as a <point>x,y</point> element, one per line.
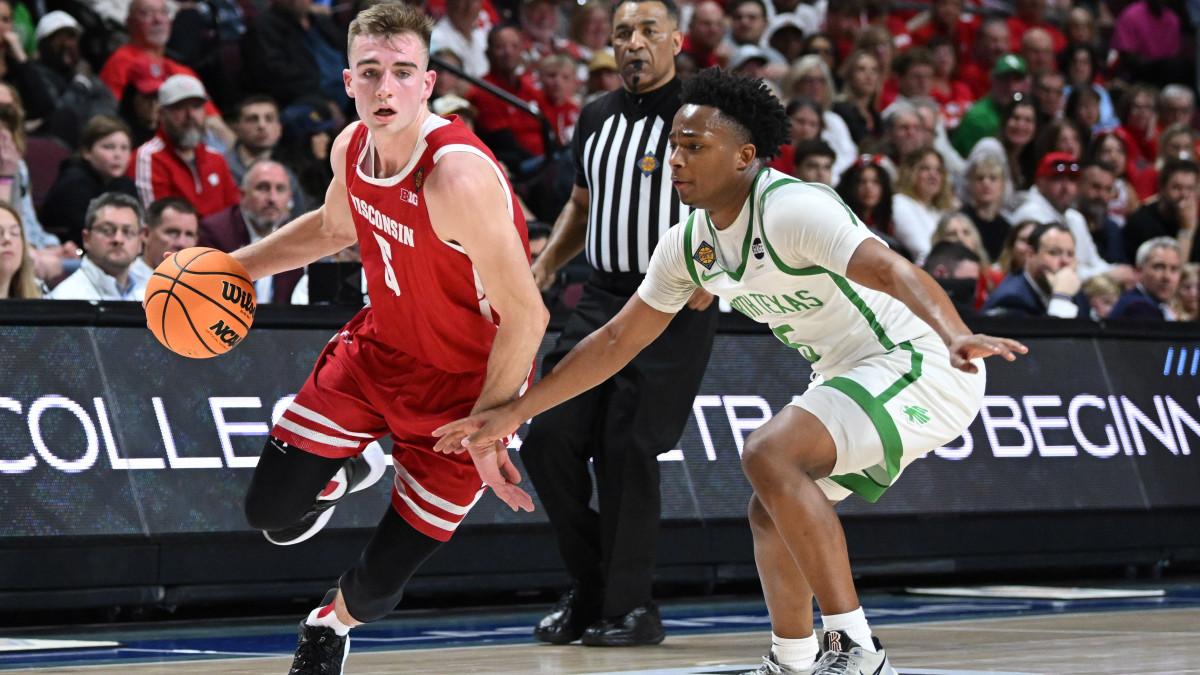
<point>809,225</point>
<point>667,285</point>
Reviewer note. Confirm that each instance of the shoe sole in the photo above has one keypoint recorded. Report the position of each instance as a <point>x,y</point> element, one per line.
<point>378,461</point>
<point>624,642</point>
<point>317,525</point>
<point>555,639</point>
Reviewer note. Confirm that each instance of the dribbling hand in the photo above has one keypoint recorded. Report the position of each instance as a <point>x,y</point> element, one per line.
<point>977,346</point>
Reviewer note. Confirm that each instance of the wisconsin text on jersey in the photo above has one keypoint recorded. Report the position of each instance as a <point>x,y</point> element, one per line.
<point>399,232</point>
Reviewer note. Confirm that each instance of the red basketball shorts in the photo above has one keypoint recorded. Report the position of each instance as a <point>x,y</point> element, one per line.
<point>361,390</point>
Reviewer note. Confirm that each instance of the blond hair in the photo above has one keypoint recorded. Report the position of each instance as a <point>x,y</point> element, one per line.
<point>23,283</point>
<point>389,19</point>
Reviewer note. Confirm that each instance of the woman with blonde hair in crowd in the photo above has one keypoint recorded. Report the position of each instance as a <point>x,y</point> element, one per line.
<point>810,76</point>
<point>51,256</point>
<point>589,26</point>
<point>957,227</point>
<point>16,266</point>
<point>1103,292</point>
<point>1186,302</point>
<point>983,190</point>
<point>858,102</point>
<point>923,196</point>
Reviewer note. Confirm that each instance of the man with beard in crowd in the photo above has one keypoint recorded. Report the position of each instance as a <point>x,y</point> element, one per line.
<point>266,202</point>
<point>176,162</point>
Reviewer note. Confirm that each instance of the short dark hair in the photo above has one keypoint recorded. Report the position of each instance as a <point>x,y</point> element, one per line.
<point>813,147</point>
<point>154,212</point>
<point>1035,237</point>
<point>672,8</point>
<point>1176,165</point>
<point>253,99</point>
<point>115,199</point>
<point>949,254</point>
<point>748,102</point>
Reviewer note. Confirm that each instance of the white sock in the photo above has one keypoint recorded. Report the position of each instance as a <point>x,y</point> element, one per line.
<point>325,616</point>
<point>796,653</point>
<point>854,624</point>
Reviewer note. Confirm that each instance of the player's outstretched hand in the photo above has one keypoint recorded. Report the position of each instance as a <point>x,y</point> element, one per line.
<point>978,345</point>
<point>484,435</point>
<point>498,472</point>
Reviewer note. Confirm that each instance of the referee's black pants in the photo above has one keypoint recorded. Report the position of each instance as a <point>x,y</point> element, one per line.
<point>622,425</point>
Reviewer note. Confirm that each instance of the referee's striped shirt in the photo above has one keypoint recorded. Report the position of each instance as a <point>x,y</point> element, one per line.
<point>620,153</point>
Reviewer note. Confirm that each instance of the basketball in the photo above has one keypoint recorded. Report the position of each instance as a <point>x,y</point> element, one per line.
<point>200,303</point>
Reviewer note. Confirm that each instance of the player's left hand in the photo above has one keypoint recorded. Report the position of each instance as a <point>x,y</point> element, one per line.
<point>978,346</point>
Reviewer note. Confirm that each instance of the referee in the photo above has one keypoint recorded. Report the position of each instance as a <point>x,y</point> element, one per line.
<point>623,201</point>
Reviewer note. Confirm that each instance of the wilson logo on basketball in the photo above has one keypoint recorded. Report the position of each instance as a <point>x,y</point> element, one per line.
<point>237,296</point>
<point>225,333</point>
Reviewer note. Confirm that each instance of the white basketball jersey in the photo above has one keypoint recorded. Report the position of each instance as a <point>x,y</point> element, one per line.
<point>783,263</point>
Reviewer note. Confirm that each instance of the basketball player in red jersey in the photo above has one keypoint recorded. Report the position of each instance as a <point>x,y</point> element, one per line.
<point>453,326</point>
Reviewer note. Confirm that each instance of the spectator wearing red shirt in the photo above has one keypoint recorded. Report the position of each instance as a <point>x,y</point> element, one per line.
<point>559,82</point>
<point>1032,13</point>
<point>149,25</point>
<point>176,163</point>
<point>992,42</point>
<point>512,134</point>
<point>946,18</point>
<point>704,34</point>
<point>540,30</point>
<point>953,96</point>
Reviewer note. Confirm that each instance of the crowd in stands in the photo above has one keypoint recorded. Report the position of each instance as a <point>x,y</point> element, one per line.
<point>1038,157</point>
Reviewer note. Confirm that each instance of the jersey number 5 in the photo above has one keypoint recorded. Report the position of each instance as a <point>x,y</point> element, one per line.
<point>389,274</point>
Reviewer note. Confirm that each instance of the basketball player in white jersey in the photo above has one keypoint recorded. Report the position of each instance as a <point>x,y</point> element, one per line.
<point>897,373</point>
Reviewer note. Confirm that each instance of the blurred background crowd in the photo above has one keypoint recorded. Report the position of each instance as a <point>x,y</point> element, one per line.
<point>1038,157</point>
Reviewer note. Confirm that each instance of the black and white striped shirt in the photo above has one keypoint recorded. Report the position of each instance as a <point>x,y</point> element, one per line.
<point>620,153</point>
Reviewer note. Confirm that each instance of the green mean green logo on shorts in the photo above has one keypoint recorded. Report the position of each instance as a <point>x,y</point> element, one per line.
<point>917,414</point>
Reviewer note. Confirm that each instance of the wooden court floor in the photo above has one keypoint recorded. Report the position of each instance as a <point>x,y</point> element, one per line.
<point>1114,642</point>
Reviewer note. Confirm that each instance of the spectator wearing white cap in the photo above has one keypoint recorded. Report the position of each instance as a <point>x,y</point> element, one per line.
<point>176,162</point>
<point>77,93</point>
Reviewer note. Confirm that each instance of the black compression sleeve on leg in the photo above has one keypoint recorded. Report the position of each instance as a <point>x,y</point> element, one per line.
<point>285,483</point>
<point>375,585</point>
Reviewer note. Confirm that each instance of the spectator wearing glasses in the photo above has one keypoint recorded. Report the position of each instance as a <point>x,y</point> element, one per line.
<point>111,242</point>
<point>1050,200</point>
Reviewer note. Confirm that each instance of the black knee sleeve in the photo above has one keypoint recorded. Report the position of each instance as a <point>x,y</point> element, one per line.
<point>375,585</point>
<point>285,483</point>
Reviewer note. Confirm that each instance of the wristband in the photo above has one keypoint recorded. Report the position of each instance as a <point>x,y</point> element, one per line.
<point>1183,234</point>
<point>6,180</point>
<point>1063,296</point>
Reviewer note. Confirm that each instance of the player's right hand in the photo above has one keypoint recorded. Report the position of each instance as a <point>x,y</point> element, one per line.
<point>477,432</point>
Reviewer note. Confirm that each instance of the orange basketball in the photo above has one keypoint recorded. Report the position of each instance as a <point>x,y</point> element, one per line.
<point>200,303</point>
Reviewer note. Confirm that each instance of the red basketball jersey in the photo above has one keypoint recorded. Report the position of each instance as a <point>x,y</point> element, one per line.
<point>426,297</point>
